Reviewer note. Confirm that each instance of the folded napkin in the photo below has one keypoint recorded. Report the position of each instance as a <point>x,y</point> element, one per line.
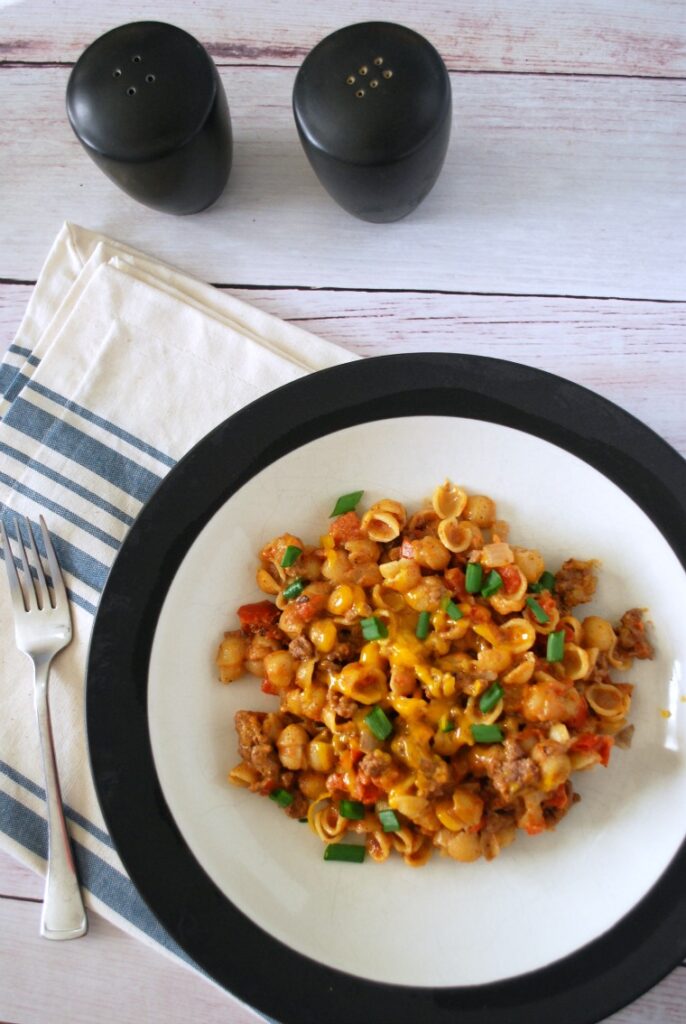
<point>120,365</point>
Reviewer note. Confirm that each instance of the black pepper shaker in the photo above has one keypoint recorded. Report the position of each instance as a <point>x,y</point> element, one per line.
<point>147,104</point>
<point>372,104</point>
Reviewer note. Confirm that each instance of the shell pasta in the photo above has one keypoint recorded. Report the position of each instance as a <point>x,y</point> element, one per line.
<point>434,687</point>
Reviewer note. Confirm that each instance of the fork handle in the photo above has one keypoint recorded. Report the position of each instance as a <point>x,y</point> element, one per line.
<point>64,915</point>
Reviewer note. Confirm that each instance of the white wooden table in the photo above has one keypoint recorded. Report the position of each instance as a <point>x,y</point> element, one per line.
<point>555,236</point>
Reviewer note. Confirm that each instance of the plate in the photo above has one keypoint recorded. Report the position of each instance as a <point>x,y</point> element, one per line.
<point>571,924</point>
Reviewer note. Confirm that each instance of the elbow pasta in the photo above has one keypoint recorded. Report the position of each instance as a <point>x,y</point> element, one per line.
<point>419,710</point>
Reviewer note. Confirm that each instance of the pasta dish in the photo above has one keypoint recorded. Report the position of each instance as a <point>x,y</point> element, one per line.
<point>434,687</point>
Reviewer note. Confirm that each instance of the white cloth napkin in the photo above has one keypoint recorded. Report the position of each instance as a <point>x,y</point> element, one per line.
<point>120,365</point>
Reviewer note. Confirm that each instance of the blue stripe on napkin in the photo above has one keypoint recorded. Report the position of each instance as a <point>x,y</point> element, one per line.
<point>72,559</point>
<point>60,510</point>
<point>11,382</point>
<point>66,482</point>
<point>19,350</point>
<point>68,440</point>
<point>31,787</point>
<point>76,598</point>
<point>100,421</point>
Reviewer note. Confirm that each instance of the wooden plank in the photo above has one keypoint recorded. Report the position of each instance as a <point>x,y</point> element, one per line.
<point>106,976</point>
<point>631,352</point>
<point>562,186</point>
<point>18,882</point>
<point>637,37</point>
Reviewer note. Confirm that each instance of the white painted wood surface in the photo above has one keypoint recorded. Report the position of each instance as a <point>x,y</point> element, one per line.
<point>633,353</point>
<point>560,188</point>
<point>552,185</point>
<point>606,37</point>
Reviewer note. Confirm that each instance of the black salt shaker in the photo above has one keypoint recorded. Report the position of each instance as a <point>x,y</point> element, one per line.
<point>147,104</point>
<point>372,104</point>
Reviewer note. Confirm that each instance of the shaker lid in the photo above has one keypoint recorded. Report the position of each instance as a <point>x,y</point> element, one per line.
<point>141,91</point>
<point>371,93</point>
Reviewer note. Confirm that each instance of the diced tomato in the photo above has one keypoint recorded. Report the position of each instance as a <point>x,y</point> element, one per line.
<point>512,578</point>
<point>260,616</point>
<point>602,744</point>
<point>455,582</point>
<point>547,602</point>
<point>309,605</point>
<point>346,527</point>
<point>366,790</point>
<point>267,786</point>
<point>559,798</point>
<point>268,687</point>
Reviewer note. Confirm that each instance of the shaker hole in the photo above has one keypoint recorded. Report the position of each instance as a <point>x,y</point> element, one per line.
<point>350,80</point>
<point>116,73</point>
<point>374,83</point>
<point>363,70</point>
<point>131,90</point>
<point>387,73</point>
<point>136,59</point>
<point>359,93</point>
<point>378,61</point>
<point>149,78</point>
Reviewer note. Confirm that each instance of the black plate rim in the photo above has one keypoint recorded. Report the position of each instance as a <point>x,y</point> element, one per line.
<point>582,988</point>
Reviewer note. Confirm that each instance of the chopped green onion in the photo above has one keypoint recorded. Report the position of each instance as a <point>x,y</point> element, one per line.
<point>282,797</point>
<point>539,614</point>
<point>451,609</point>
<point>351,809</point>
<point>378,723</point>
<point>373,628</point>
<point>545,582</point>
<point>492,585</point>
<point>487,733</point>
<point>473,578</point>
<point>423,623</point>
<point>290,555</point>
<point>490,698</point>
<point>345,852</point>
<point>346,503</point>
<point>389,821</point>
<point>294,589</point>
<point>555,650</point>
<point>446,724</point>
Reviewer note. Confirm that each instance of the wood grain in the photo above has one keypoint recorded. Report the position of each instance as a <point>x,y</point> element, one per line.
<point>104,977</point>
<point>17,882</point>
<point>556,186</point>
<point>631,352</point>
<point>606,37</point>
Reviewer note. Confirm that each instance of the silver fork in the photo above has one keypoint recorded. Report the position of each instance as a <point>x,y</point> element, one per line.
<point>42,629</point>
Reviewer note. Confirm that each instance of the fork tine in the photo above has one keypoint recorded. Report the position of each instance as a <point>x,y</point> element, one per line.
<point>55,571</point>
<point>29,591</point>
<point>42,591</point>
<point>12,576</point>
